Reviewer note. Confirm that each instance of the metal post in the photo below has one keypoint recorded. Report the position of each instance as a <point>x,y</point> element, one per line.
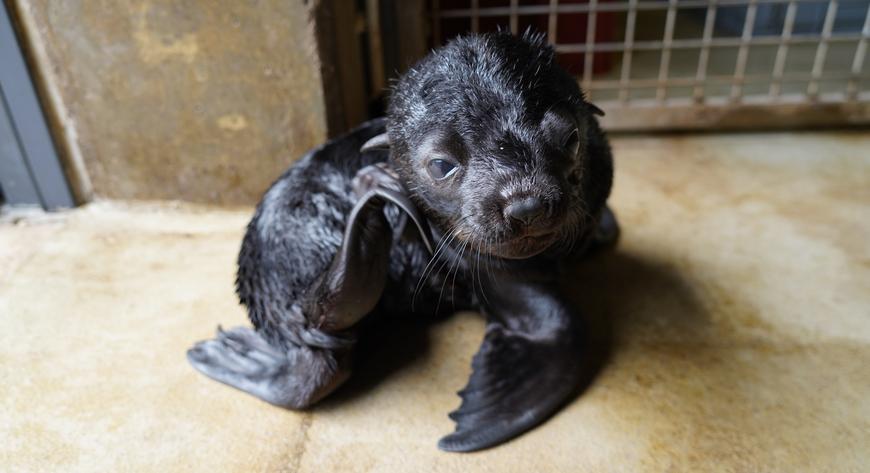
<point>665,63</point>
<point>858,62</point>
<point>552,21</point>
<point>588,57</point>
<point>782,51</point>
<point>743,52</point>
<point>698,94</point>
<point>625,74</point>
<point>822,51</point>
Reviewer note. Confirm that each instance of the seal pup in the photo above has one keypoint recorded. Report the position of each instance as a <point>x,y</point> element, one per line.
<point>488,148</point>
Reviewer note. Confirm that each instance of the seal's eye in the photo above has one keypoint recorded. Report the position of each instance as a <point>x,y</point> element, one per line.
<point>441,168</point>
<point>572,143</point>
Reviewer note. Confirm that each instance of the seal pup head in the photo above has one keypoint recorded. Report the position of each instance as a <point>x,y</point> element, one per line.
<point>490,136</point>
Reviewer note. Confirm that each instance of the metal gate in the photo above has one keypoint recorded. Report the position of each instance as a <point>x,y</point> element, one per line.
<point>30,171</point>
<point>671,64</point>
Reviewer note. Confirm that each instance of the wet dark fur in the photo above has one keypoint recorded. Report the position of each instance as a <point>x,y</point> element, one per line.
<point>297,229</point>
<point>490,95</point>
<point>498,104</point>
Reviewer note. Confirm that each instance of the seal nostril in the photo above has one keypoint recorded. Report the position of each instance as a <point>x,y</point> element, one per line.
<point>525,210</point>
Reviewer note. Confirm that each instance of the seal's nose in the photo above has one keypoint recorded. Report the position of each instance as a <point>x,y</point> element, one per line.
<point>525,210</point>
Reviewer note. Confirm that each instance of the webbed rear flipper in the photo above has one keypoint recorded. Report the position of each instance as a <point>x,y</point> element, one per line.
<point>294,376</point>
<point>296,366</point>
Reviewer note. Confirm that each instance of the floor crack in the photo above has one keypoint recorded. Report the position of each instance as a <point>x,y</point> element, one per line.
<point>302,443</point>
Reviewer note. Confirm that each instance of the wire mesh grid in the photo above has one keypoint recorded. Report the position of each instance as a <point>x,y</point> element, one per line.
<point>666,53</point>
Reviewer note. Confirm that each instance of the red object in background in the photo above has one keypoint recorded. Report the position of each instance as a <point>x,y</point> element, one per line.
<point>570,29</point>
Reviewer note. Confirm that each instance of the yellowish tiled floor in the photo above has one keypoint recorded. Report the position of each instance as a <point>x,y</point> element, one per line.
<point>731,330</point>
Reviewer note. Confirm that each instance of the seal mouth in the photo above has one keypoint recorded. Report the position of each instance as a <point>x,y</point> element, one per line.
<point>525,246</point>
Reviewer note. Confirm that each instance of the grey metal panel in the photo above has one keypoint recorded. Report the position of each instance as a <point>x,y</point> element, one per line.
<point>15,179</point>
<point>28,121</point>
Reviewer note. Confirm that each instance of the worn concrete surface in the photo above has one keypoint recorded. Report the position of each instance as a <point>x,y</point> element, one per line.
<point>156,99</point>
<point>731,333</point>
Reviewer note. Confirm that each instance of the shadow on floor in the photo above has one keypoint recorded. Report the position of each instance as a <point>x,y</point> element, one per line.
<point>614,292</point>
<point>383,349</point>
<point>620,294</point>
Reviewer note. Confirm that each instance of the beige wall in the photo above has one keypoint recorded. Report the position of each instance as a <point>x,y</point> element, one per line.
<point>205,101</point>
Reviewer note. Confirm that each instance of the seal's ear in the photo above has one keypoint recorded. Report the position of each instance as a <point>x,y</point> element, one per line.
<point>595,110</point>
<point>381,141</point>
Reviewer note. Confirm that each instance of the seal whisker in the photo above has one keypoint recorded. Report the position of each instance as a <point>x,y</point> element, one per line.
<point>445,242</point>
<point>430,268</point>
<point>442,243</point>
<point>458,263</point>
<point>471,265</point>
<point>450,263</point>
<point>477,269</point>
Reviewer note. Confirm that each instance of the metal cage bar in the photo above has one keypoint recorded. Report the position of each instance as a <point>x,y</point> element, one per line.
<point>822,50</point>
<point>782,51</point>
<point>858,61</point>
<point>601,7</point>
<point>743,52</point>
<point>552,21</point>
<point>625,73</point>
<point>665,62</point>
<point>659,88</point>
<point>704,54</point>
<point>721,79</point>
<point>588,59</point>
<point>713,43</point>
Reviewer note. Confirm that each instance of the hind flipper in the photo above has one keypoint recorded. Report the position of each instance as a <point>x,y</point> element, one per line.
<point>527,367</point>
<point>313,360</point>
<point>295,377</point>
<point>304,364</point>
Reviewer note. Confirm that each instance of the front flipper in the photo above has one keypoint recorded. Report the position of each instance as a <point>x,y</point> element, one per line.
<point>527,367</point>
<point>352,286</point>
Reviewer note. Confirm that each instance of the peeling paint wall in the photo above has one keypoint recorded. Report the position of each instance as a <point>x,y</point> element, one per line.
<point>205,101</point>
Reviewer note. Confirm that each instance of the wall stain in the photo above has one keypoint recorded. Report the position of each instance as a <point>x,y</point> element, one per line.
<point>155,48</point>
<point>233,122</point>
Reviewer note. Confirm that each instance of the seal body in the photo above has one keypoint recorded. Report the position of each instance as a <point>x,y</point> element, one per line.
<point>298,228</point>
<point>488,149</point>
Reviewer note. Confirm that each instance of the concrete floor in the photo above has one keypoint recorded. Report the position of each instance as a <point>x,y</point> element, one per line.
<point>732,324</point>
